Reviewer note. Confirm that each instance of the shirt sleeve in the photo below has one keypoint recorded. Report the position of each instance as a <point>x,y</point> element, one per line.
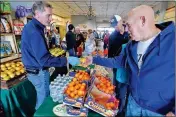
<point>115,62</point>
<point>42,55</point>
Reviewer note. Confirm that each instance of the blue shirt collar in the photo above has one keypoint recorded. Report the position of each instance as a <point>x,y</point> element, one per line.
<point>40,25</point>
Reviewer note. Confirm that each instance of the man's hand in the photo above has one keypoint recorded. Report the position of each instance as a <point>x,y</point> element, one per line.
<point>73,60</point>
<point>170,114</point>
<point>89,60</point>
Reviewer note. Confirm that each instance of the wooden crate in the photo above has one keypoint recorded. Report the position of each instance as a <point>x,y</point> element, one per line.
<point>12,82</point>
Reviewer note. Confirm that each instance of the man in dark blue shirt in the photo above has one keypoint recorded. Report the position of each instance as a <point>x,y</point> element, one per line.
<point>35,55</point>
<point>71,40</point>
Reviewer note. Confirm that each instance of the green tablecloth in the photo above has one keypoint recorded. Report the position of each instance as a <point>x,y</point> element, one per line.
<point>19,100</point>
<point>83,68</point>
<point>46,109</point>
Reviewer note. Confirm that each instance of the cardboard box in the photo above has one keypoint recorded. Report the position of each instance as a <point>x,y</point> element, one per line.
<point>98,101</point>
<point>73,102</point>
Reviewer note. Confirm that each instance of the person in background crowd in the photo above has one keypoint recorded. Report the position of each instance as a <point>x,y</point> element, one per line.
<point>106,39</point>
<point>103,35</point>
<point>55,38</point>
<point>95,34</point>
<point>71,40</point>
<point>117,38</point>
<point>96,37</point>
<point>80,41</point>
<point>35,54</point>
<point>150,64</point>
<point>90,43</point>
<point>85,36</point>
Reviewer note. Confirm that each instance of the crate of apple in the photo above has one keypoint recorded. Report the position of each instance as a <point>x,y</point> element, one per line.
<point>76,89</point>
<point>104,84</point>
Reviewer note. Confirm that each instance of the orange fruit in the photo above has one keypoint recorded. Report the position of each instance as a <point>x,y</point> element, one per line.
<point>101,84</point>
<point>111,104</point>
<point>71,88</point>
<point>109,108</point>
<point>106,91</point>
<point>108,84</point>
<point>111,92</point>
<point>83,87</point>
<point>76,96</point>
<point>80,93</point>
<point>77,87</point>
<point>81,76</point>
<point>68,92</point>
<point>74,80</point>
<point>75,92</point>
<point>83,84</point>
<point>107,105</point>
<point>111,87</point>
<point>72,95</point>
<point>76,75</point>
<point>83,93</point>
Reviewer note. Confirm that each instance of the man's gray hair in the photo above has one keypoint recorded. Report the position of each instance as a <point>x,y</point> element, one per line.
<point>40,6</point>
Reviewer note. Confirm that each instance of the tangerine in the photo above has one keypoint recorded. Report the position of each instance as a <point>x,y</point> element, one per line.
<point>72,95</point>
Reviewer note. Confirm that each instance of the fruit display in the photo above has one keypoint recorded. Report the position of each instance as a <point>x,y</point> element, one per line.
<point>98,53</point>
<point>57,52</point>
<point>81,76</point>
<point>75,89</point>
<point>110,105</point>
<point>100,97</point>
<point>11,69</point>
<point>91,90</point>
<point>105,85</point>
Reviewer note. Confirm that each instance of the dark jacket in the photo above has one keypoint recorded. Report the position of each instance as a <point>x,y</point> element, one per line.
<point>35,53</point>
<point>71,40</point>
<point>115,42</point>
<point>153,86</point>
<point>79,39</point>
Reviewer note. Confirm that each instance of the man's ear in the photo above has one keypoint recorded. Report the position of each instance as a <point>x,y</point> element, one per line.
<point>37,14</point>
<point>143,20</point>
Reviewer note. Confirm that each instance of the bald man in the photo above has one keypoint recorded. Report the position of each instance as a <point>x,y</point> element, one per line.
<point>150,64</point>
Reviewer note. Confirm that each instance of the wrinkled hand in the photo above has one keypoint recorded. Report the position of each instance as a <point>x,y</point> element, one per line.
<point>170,114</point>
<point>73,60</point>
<point>89,60</point>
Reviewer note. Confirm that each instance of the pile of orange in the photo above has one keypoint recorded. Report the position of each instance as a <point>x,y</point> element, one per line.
<point>82,75</point>
<point>76,89</point>
<point>105,85</point>
<point>99,52</point>
<point>110,105</point>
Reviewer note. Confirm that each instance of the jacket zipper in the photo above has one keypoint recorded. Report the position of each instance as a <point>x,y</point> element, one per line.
<point>139,72</point>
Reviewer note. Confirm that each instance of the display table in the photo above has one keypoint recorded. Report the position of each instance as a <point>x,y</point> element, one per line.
<point>20,100</point>
<point>46,109</point>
